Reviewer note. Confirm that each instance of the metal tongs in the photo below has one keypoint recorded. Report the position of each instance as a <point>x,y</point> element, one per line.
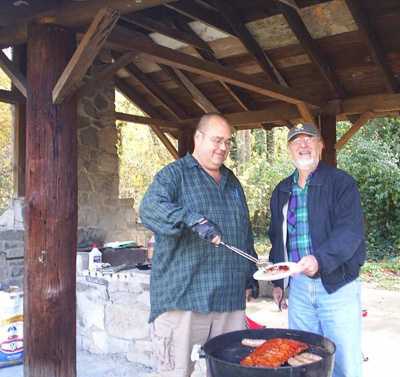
<point>243,254</point>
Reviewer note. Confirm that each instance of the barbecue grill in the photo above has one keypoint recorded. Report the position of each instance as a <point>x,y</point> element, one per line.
<point>224,352</point>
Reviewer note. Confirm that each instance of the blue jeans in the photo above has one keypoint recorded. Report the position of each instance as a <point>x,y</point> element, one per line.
<point>336,316</point>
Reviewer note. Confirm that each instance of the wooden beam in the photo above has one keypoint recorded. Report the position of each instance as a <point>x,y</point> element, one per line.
<point>379,103</point>
<point>161,123</point>
<point>108,72</point>
<point>196,12</point>
<point>290,3</point>
<point>183,61</point>
<point>51,216</point>
<point>306,113</point>
<point>12,97</point>
<point>364,118</point>
<point>157,92</point>
<point>232,17</point>
<point>17,78</point>
<point>135,97</point>
<point>375,46</point>
<point>89,46</point>
<point>198,96</point>
<point>328,133</point>
<point>307,42</point>
<point>158,27</point>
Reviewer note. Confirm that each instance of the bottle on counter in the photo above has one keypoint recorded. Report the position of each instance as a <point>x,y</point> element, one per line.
<point>95,259</point>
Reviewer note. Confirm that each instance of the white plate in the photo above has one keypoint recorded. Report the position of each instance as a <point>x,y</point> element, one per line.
<point>265,275</point>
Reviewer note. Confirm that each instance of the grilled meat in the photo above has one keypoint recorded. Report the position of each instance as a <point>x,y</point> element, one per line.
<point>274,352</point>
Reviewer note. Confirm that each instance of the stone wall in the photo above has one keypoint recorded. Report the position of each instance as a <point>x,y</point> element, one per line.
<point>102,215</point>
<point>112,314</point>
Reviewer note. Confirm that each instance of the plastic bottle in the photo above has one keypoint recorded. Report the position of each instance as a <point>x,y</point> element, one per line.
<point>95,259</point>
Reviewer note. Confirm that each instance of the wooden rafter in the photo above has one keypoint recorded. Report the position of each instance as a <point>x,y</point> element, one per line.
<point>136,98</point>
<point>164,124</point>
<point>158,27</point>
<point>12,97</point>
<point>198,96</point>
<point>362,20</point>
<point>89,46</point>
<point>157,92</point>
<point>180,60</point>
<point>307,42</point>
<point>306,113</point>
<point>108,72</point>
<point>361,121</point>
<point>232,17</point>
<point>196,12</point>
<point>17,78</point>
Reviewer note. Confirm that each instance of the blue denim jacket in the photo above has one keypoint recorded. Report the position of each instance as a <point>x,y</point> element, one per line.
<point>336,225</point>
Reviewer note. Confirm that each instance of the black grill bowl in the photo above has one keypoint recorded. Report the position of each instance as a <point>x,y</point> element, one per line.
<point>224,352</point>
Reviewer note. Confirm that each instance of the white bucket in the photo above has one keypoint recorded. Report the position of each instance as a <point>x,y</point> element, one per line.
<point>11,327</point>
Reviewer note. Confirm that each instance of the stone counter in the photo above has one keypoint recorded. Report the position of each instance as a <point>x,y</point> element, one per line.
<point>112,314</point>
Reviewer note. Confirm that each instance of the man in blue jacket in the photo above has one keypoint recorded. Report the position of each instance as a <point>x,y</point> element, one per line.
<point>317,221</point>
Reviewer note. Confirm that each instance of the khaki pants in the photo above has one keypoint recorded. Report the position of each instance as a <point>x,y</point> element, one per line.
<point>174,333</point>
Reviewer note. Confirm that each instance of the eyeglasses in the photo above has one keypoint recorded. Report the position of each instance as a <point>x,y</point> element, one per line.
<point>217,140</point>
<point>303,139</point>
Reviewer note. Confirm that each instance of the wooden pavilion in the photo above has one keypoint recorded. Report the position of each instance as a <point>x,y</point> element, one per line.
<point>261,63</point>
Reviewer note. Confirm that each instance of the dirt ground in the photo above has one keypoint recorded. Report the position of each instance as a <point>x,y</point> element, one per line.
<point>381,326</point>
<point>381,339</point>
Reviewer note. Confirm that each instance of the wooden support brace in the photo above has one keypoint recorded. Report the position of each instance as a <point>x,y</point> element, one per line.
<point>17,78</point>
<point>364,118</point>
<point>82,59</point>
<point>306,113</point>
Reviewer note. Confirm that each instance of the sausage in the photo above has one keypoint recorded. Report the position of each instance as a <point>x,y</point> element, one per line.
<point>252,342</point>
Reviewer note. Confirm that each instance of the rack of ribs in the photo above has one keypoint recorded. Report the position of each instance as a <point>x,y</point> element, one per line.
<point>273,353</point>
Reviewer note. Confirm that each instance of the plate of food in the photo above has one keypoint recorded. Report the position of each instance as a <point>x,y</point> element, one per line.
<point>276,271</point>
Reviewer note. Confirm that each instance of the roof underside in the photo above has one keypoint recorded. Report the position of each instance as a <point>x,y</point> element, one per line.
<point>319,52</point>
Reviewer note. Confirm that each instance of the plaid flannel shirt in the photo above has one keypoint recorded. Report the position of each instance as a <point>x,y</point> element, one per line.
<point>189,273</point>
<point>299,238</point>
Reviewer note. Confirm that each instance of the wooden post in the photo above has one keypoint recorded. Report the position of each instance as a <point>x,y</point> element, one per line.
<point>51,217</point>
<point>327,124</point>
<point>186,141</point>
<point>19,128</point>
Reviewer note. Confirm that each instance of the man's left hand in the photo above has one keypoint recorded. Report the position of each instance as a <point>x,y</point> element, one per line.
<point>308,265</point>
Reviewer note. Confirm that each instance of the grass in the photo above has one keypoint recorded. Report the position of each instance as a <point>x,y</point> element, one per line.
<point>384,274</point>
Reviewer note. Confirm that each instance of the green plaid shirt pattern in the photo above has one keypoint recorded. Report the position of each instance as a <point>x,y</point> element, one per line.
<point>299,239</point>
<point>189,273</point>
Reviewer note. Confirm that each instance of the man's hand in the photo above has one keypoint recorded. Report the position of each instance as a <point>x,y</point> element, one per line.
<point>208,231</point>
<point>279,298</point>
<point>308,265</point>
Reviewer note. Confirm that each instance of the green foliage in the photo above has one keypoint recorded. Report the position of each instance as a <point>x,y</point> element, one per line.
<point>6,181</point>
<point>141,154</point>
<point>372,158</point>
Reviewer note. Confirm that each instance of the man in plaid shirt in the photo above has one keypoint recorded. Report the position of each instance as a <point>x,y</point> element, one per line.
<point>317,221</point>
<point>197,290</point>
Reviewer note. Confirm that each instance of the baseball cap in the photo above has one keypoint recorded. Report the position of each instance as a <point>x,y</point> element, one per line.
<point>303,128</point>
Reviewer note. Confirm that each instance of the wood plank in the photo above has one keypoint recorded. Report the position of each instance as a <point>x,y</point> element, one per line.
<point>307,42</point>
<point>157,92</point>
<point>51,215</point>
<point>11,97</point>
<point>374,45</point>
<point>198,97</point>
<point>241,31</point>
<point>89,47</point>
<point>361,121</point>
<point>306,113</point>
<point>158,27</point>
<point>196,12</point>
<point>17,78</point>
<point>379,103</point>
<point>108,72</point>
<point>183,61</point>
<point>135,97</point>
